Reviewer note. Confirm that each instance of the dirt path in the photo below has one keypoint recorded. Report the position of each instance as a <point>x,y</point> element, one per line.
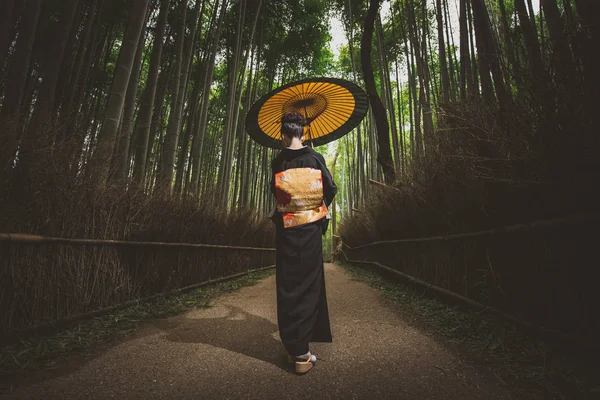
<point>232,351</point>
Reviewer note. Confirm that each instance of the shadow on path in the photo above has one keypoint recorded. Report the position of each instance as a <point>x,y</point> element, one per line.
<point>238,331</point>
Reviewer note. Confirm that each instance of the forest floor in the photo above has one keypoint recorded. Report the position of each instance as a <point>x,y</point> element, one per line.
<point>383,347</point>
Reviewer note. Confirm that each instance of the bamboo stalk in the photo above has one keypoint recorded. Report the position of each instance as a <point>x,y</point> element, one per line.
<point>37,239</point>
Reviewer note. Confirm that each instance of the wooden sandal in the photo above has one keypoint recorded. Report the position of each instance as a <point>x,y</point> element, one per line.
<point>302,367</point>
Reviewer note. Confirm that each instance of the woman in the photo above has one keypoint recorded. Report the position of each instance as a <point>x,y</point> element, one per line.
<point>303,188</point>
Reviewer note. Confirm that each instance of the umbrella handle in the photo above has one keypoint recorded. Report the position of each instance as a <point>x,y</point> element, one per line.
<point>309,138</point>
<point>308,130</point>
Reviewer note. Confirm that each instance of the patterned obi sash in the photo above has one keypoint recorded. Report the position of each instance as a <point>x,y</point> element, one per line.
<point>299,194</point>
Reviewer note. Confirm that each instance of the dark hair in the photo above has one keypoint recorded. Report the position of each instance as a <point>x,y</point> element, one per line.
<point>292,124</point>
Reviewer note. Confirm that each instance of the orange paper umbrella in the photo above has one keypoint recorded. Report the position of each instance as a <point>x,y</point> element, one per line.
<point>332,107</point>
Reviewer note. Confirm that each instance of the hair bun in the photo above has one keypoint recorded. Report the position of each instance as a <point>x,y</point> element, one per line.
<point>293,117</point>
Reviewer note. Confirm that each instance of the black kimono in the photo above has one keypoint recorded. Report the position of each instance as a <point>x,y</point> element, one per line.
<point>302,312</point>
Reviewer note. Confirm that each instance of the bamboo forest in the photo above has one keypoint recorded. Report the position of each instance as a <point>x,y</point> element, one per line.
<point>128,173</point>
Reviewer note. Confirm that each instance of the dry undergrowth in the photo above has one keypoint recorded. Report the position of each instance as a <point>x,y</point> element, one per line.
<point>48,282</point>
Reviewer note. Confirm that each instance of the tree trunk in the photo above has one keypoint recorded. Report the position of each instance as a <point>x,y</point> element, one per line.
<point>409,69</point>
<point>465,58</point>
<point>199,136</point>
<point>242,159</point>
<point>190,126</point>
<point>14,85</point>
<point>433,87</point>
<point>237,122</point>
<point>85,45</point>
<point>48,88</point>
<point>513,68</point>
<point>538,72</point>
<point>233,63</point>
<point>80,84</point>
<point>333,203</point>
<point>442,54</point>
<point>148,97</point>
<point>474,64</point>
<point>425,87</point>
<point>167,164</point>
<point>67,64</point>
<point>38,134</point>
<point>400,108</point>
<point>562,53</point>
<point>8,19</point>
<point>188,57</point>
<point>532,15</point>
<point>421,136</point>
<point>121,155</point>
<point>386,89</point>
<point>487,89</point>
<point>453,62</point>
<point>360,171</point>
<point>401,119</point>
<point>247,142</point>
<point>114,109</point>
<point>384,154</point>
<point>588,11</point>
<point>489,52</point>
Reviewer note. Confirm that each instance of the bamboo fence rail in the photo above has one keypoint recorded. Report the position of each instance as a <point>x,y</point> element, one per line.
<point>28,239</point>
<point>573,341</point>
<point>556,336</point>
<point>54,325</point>
<point>505,229</point>
<point>37,239</point>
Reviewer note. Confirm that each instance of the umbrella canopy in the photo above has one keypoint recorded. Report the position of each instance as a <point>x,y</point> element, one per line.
<point>332,107</point>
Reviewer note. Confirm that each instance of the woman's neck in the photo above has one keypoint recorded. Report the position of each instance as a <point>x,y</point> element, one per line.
<point>295,144</point>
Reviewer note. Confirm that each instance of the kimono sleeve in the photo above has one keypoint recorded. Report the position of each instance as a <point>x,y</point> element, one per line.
<point>273,214</point>
<point>272,182</point>
<point>329,187</point>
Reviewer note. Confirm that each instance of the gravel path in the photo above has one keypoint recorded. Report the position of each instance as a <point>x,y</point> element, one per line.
<point>232,351</point>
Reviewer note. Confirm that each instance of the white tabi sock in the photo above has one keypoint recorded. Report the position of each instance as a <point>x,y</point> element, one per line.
<point>308,356</point>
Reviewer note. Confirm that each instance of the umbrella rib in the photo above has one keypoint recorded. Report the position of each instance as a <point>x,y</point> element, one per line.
<point>335,88</point>
<point>325,123</point>
<point>342,110</point>
<point>294,89</point>
<point>309,88</point>
<point>333,92</point>
<point>342,97</point>
<point>337,105</point>
<point>273,104</point>
<point>337,119</point>
<point>272,118</point>
<point>270,126</point>
<point>273,110</point>
<point>272,133</point>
